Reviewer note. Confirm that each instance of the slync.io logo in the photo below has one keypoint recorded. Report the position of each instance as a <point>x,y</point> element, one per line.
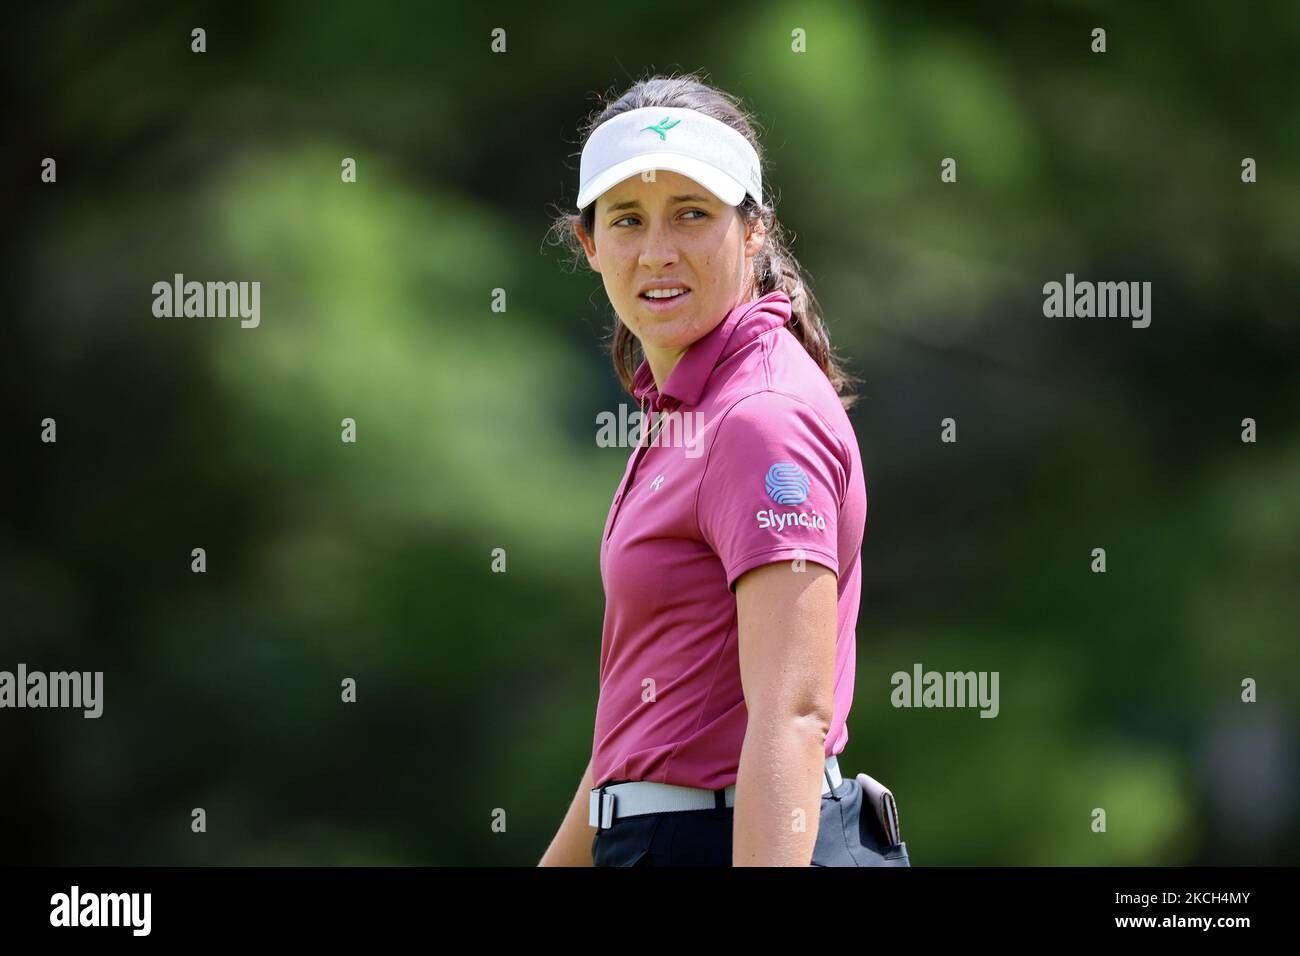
<point>787,484</point>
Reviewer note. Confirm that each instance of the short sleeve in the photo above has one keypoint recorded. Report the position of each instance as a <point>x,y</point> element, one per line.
<point>772,486</point>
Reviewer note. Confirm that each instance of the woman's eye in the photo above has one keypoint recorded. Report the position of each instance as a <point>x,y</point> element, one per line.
<point>701,212</point>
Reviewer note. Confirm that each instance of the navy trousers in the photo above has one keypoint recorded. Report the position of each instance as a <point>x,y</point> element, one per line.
<point>849,834</point>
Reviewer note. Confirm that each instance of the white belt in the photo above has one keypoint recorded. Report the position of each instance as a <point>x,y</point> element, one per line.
<point>614,801</point>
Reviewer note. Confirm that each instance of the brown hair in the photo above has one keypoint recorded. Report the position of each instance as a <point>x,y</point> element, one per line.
<point>774,266</point>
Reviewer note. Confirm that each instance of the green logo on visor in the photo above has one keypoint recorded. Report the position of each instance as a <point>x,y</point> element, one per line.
<point>661,127</point>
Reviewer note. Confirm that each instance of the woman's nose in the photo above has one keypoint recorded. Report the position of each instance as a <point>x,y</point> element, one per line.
<point>659,248</point>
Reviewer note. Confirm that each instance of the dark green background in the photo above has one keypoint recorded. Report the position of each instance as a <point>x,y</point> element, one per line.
<point>476,430</point>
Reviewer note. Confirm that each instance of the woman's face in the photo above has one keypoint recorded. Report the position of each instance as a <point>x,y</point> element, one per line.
<point>670,232</point>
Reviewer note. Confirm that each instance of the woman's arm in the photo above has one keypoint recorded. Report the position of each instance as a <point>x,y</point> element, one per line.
<point>787,621</point>
<point>572,843</point>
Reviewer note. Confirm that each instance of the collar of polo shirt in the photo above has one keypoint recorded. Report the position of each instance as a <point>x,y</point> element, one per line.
<point>742,324</point>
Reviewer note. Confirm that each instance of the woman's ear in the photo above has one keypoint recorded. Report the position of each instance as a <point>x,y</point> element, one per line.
<point>755,236</point>
<point>588,245</point>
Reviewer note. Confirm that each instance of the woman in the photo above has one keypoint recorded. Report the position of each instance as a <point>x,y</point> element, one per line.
<point>731,556</point>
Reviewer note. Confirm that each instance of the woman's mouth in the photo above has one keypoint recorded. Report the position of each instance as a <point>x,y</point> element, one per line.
<point>664,300</point>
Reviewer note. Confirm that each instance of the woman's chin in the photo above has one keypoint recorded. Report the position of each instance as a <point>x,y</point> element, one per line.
<point>669,336</point>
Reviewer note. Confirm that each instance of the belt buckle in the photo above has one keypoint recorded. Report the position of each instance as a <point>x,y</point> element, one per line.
<point>600,813</point>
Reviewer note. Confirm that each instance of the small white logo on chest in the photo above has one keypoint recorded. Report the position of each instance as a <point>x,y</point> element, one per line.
<point>659,480</point>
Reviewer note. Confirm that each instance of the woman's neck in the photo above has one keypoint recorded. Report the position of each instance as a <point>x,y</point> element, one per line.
<point>662,362</point>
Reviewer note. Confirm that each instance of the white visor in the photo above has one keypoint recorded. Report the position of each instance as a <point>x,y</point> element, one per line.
<point>667,137</point>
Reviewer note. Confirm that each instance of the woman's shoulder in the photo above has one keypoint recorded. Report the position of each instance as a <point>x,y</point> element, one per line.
<point>764,414</point>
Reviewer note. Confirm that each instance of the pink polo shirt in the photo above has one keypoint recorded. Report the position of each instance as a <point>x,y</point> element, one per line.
<point>774,474</point>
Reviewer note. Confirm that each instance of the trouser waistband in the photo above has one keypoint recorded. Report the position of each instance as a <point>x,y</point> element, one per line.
<point>611,802</point>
